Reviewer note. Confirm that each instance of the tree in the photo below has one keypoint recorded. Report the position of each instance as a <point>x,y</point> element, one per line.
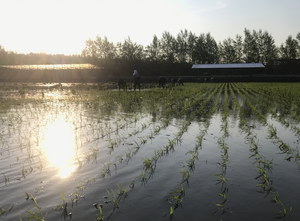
<point>238,48</point>
<point>3,55</point>
<point>227,51</point>
<point>186,43</point>
<point>192,39</point>
<point>168,47</point>
<point>298,38</point>
<point>104,49</point>
<point>152,51</point>
<point>250,47</point>
<point>266,47</point>
<point>289,50</point>
<point>269,50</point>
<point>90,50</point>
<point>212,50</point>
<point>206,50</point>
<point>182,46</point>
<point>199,54</point>
<point>131,51</point>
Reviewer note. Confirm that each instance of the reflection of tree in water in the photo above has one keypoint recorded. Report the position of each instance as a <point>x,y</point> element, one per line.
<point>234,113</point>
<point>248,113</point>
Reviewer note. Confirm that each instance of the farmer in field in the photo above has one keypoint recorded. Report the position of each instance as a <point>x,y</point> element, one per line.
<point>122,84</point>
<point>180,81</point>
<point>173,81</point>
<point>162,81</point>
<point>136,80</point>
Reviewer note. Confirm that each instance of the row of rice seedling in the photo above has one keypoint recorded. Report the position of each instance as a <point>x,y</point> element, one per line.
<point>112,124</point>
<point>263,166</point>
<point>268,104</point>
<point>260,116</point>
<point>224,154</point>
<point>150,163</point>
<point>287,105</point>
<point>284,148</point>
<point>190,163</point>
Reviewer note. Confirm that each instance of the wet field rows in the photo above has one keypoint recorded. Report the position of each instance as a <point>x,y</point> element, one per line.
<point>202,151</point>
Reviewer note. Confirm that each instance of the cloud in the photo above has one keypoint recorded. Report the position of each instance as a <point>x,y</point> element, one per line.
<point>214,6</point>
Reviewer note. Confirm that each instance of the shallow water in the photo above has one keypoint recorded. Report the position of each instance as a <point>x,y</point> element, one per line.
<point>41,137</point>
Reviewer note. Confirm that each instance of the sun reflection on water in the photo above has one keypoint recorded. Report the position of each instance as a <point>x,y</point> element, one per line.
<point>58,145</point>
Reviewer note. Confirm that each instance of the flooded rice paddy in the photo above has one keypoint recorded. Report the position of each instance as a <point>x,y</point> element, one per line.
<point>195,152</point>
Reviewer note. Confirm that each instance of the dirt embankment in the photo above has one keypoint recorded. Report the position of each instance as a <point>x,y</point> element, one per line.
<point>52,76</point>
<point>96,75</point>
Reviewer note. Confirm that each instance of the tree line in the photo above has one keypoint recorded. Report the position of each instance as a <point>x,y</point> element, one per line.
<point>14,58</point>
<point>182,50</point>
<point>187,47</point>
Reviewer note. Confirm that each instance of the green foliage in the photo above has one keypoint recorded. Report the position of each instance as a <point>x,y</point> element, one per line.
<point>39,216</point>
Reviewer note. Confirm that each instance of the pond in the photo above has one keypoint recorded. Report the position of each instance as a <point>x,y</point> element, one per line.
<point>209,151</point>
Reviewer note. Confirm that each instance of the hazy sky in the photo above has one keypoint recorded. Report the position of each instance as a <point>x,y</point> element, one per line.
<point>62,26</point>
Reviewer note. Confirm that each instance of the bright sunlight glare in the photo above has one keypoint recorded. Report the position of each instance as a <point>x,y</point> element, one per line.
<point>58,144</point>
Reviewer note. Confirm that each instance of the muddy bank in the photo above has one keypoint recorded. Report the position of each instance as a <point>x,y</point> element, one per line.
<point>98,75</point>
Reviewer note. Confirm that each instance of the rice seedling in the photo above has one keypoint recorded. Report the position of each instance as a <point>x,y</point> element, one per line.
<point>297,155</point>
<point>148,164</point>
<point>166,149</point>
<point>296,129</point>
<point>143,141</point>
<point>171,144</point>
<point>87,156</point>
<point>137,146</point>
<point>122,191</point>
<point>62,207</point>
<point>284,147</point>
<point>120,159</point>
<point>221,179</point>
<point>171,213</point>
<point>191,162</point>
<point>185,176</point>
<point>94,153</point>
<point>99,216</point>
<point>157,130</point>
<point>3,212</point>
<point>115,199</point>
<point>24,172</point>
<point>276,200</point>
<point>143,177</point>
<point>128,154</point>
<point>107,168</point>
<point>26,195</point>
<point>64,212</point>
<point>272,132</point>
<point>151,136</point>
<point>131,185</point>
<point>6,178</point>
<point>80,188</point>
<point>35,216</point>
<point>253,146</point>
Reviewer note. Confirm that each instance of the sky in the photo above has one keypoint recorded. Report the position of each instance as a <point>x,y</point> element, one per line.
<point>63,26</point>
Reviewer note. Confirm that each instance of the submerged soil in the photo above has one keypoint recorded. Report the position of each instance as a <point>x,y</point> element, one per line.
<point>194,152</point>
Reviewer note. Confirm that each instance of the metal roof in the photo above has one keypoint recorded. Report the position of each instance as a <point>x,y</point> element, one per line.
<point>236,65</point>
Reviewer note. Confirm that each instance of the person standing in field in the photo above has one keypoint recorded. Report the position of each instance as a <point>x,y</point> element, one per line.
<point>162,81</point>
<point>180,81</point>
<point>136,80</point>
<point>122,84</point>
